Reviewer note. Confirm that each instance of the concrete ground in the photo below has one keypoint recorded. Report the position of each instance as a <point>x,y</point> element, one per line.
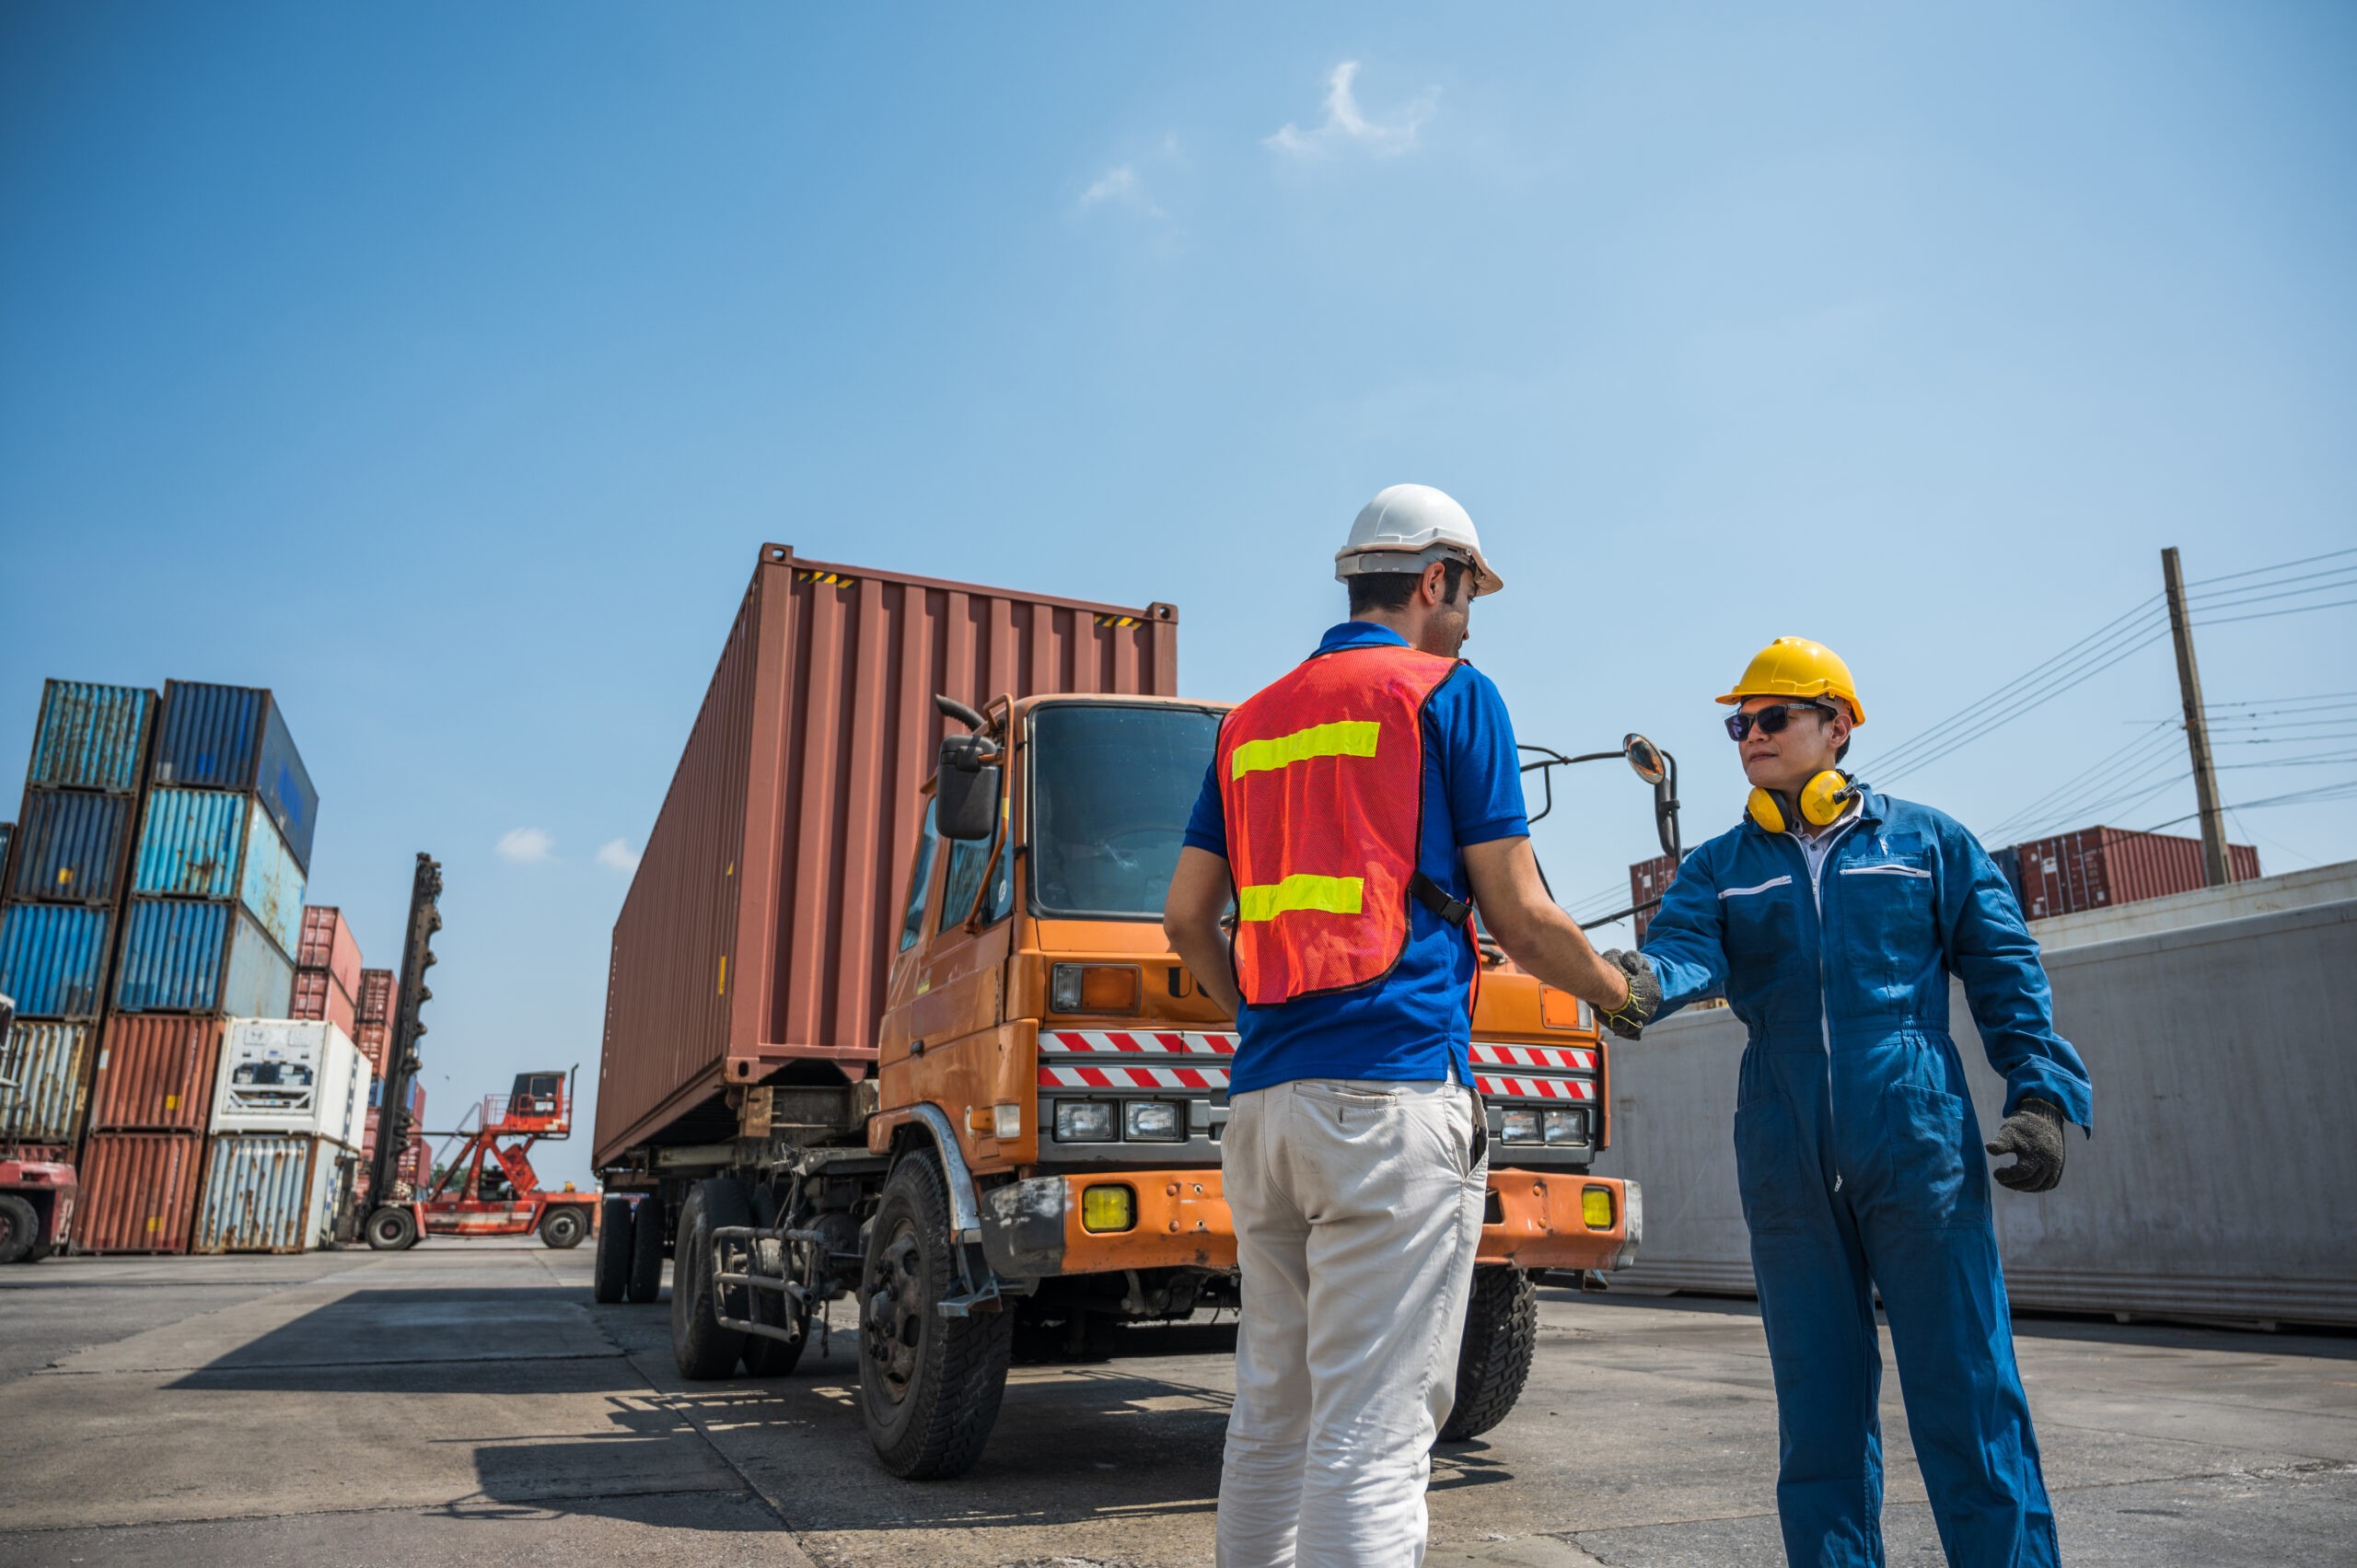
<point>467,1402</point>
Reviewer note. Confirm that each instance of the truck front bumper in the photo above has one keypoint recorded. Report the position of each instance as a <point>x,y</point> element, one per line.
<point>1157,1219</point>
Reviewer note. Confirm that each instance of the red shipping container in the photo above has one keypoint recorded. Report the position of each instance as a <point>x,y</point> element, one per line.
<point>759,923</point>
<point>375,996</point>
<point>156,1073</point>
<point>317,995</point>
<point>373,1040</point>
<point>2101,867</point>
<point>327,944</point>
<point>138,1192</point>
<point>1648,880</point>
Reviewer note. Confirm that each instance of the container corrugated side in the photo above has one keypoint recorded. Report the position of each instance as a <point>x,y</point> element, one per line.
<point>374,1040</point>
<point>156,1073</point>
<point>173,961</point>
<point>138,1192</point>
<point>208,736</point>
<point>190,843</point>
<point>2095,868</point>
<point>91,736</point>
<point>318,997</point>
<point>327,944</point>
<point>1648,880</point>
<point>267,1193</point>
<point>270,883</point>
<point>8,839</point>
<point>53,959</point>
<point>45,1063</point>
<point>284,786</point>
<point>786,837</point>
<point>70,846</point>
<point>375,997</point>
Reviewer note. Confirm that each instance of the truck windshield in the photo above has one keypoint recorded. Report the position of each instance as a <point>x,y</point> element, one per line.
<point>1111,790</point>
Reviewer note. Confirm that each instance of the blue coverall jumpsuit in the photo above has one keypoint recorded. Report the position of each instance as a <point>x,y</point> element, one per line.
<point>1860,1159</point>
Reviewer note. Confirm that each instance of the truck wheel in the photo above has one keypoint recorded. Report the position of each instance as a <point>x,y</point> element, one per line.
<point>391,1229</point>
<point>610,1275</point>
<point>765,1357</point>
<point>644,1281</point>
<point>929,1385</point>
<point>1494,1361</point>
<point>562,1227</point>
<point>702,1349</point>
<point>18,1228</point>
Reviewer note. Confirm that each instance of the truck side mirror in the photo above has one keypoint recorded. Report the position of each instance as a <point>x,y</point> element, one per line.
<point>1659,769</point>
<point>965,796</point>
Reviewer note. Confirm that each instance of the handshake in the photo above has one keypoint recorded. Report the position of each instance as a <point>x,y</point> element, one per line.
<point>1629,1019</point>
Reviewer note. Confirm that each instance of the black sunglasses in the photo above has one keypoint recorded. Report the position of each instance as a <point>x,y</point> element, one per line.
<point>1771,721</point>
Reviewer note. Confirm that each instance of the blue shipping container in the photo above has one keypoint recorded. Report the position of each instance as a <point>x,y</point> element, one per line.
<point>53,959</point>
<point>190,844</point>
<point>284,786</point>
<point>91,736</point>
<point>174,961</point>
<point>7,834</point>
<point>209,735</point>
<point>71,847</point>
<point>272,884</point>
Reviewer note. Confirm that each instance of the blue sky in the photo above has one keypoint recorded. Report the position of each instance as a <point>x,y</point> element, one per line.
<point>441,367</point>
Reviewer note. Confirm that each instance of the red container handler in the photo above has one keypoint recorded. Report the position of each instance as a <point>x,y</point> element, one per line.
<point>138,1192</point>
<point>2100,867</point>
<point>156,1073</point>
<point>317,995</point>
<point>756,927</point>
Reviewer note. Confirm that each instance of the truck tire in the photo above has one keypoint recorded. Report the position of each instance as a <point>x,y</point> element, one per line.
<point>562,1227</point>
<point>644,1281</point>
<point>1493,1360</point>
<point>609,1274</point>
<point>765,1357</point>
<point>704,1350</point>
<point>392,1229</point>
<point>19,1225</point>
<point>929,1385</point>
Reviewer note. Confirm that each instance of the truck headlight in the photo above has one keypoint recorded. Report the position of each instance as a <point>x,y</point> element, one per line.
<point>1152,1122</point>
<point>1095,988</point>
<point>1106,1209</point>
<point>1595,1207</point>
<point>1084,1121</point>
<point>1519,1127</point>
<point>1566,1126</point>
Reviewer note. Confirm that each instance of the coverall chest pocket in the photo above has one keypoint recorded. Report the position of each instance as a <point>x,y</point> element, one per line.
<point>1885,913</point>
<point>1760,929</point>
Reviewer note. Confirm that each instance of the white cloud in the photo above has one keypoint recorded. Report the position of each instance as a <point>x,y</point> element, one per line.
<point>1120,185</point>
<point>617,853</point>
<point>1347,127</point>
<point>525,845</point>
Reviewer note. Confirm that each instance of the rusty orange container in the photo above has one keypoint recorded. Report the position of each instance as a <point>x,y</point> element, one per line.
<point>757,928</point>
<point>156,1074</point>
<point>317,995</point>
<point>138,1192</point>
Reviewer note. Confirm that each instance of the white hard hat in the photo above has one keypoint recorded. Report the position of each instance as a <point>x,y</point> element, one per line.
<point>1406,528</point>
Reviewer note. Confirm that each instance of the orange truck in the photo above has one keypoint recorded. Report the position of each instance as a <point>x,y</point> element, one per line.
<point>891,1016</point>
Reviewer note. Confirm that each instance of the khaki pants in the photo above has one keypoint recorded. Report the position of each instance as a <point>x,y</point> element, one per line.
<point>1358,1209</point>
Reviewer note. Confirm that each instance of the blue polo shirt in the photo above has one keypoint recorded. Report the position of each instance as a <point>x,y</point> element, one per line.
<point>1415,1022</point>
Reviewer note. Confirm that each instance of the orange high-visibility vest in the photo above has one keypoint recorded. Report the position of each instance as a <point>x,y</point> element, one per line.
<point>1321,777</point>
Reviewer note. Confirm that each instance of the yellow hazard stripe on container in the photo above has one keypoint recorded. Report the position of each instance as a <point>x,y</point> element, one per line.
<point>1334,895</point>
<point>1343,738</point>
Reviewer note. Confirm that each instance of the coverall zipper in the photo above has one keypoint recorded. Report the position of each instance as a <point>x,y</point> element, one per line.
<point>1815,866</point>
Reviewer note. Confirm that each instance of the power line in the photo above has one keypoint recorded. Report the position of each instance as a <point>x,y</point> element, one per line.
<point>2061,800</point>
<point>2341,791</point>
<point>2269,614</point>
<point>2236,598</point>
<point>2278,566</point>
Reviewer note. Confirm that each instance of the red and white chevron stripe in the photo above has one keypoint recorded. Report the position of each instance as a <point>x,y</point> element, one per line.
<point>1211,1079</point>
<point>1534,1088</point>
<point>1141,1042</point>
<point>1565,1057</point>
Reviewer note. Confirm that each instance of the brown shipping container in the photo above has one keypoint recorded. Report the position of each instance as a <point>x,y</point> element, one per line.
<point>138,1192</point>
<point>375,996</point>
<point>373,1040</point>
<point>1648,880</point>
<point>327,944</point>
<point>156,1072</point>
<point>755,931</point>
<point>317,995</point>
<point>2098,868</point>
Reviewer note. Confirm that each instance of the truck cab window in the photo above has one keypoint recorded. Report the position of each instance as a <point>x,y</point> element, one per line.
<point>968,861</point>
<point>919,882</point>
<point>1111,790</point>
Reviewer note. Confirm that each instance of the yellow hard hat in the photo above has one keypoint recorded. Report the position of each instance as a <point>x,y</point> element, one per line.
<point>1795,667</point>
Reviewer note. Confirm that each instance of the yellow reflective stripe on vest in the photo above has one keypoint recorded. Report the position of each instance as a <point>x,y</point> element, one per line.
<point>1335,895</point>
<point>1343,738</point>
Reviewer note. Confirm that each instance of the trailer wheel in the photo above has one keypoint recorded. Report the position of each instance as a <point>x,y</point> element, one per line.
<point>765,1357</point>
<point>562,1227</point>
<point>644,1281</point>
<point>929,1385</point>
<point>702,1349</point>
<point>1493,1360</point>
<point>392,1229</point>
<point>609,1274</point>
<point>19,1225</point>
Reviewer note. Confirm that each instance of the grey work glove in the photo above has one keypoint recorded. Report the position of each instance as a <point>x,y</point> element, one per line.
<point>2033,1135</point>
<point>1629,1019</point>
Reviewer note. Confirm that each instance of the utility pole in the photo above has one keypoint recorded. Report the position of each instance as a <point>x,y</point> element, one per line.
<point>2197,728</point>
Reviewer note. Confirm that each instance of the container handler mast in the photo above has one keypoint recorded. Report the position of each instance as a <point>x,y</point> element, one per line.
<point>487,1187</point>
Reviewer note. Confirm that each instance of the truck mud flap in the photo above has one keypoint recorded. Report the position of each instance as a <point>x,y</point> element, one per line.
<point>1022,1227</point>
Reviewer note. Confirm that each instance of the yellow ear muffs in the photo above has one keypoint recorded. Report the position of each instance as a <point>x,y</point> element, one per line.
<point>1822,801</point>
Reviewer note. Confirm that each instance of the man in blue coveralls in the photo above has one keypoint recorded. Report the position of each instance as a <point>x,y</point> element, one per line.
<point>1833,917</point>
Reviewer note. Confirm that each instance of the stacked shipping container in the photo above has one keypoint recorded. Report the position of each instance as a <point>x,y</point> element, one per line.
<point>2098,868</point>
<point>327,970</point>
<point>62,874</point>
<point>374,1035</point>
<point>289,1103</point>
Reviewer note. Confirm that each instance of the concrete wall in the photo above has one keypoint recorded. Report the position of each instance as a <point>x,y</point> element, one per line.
<point>2225,1146</point>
